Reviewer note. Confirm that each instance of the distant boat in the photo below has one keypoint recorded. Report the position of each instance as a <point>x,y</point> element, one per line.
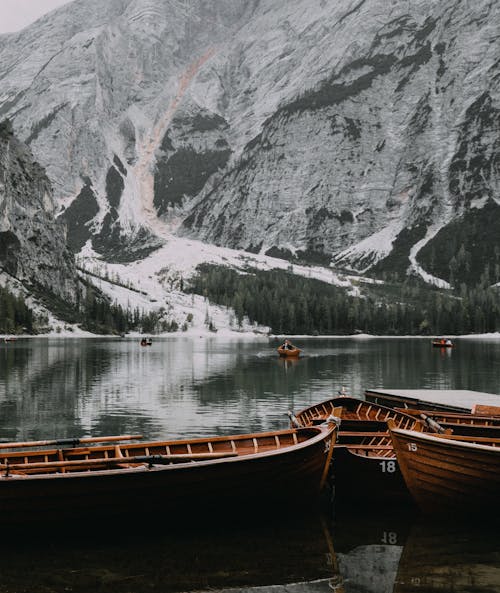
<point>146,342</point>
<point>442,343</point>
<point>288,350</point>
<point>9,339</point>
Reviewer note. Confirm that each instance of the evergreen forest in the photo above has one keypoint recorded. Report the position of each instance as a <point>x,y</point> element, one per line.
<point>291,304</point>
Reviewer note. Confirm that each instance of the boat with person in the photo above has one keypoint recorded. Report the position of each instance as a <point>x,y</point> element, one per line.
<point>442,343</point>
<point>146,342</point>
<point>287,349</point>
<point>447,473</point>
<point>105,477</point>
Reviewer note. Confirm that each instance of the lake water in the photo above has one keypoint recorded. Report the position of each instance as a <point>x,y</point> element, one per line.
<point>200,386</point>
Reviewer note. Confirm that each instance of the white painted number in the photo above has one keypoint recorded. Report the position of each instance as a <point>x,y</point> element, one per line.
<point>412,447</point>
<point>388,466</point>
<point>390,537</point>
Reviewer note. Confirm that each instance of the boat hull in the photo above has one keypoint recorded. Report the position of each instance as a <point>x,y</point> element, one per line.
<point>287,353</point>
<point>446,475</point>
<point>275,477</point>
<point>364,463</point>
<point>358,476</point>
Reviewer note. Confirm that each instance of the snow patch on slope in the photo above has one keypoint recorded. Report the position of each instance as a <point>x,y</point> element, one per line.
<point>362,256</point>
<point>416,268</point>
<point>156,282</point>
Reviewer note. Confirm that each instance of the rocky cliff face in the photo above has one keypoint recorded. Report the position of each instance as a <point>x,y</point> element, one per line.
<point>32,244</point>
<point>351,131</point>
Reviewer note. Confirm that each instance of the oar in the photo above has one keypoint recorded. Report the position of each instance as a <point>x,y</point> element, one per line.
<point>149,459</point>
<point>71,441</point>
<point>431,423</point>
<point>294,420</point>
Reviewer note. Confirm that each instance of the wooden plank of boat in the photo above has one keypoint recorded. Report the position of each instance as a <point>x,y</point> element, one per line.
<point>483,410</point>
<point>357,414</point>
<point>263,469</point>
<point>87,464</point>
<point>445,474</point>
<point>464,424</point>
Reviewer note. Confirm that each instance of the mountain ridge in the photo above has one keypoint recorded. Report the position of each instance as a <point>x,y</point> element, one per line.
<point>348,134</point>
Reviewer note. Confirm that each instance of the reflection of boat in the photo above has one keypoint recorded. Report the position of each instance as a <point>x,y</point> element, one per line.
<point>442,343</point>
<point>187,556</point>
<point>446,472</point>
<point>449,559</point>
<point>289,352</point>
<point>364,460</point>
<point>288,362</point>
<point>368,546</point>
<point>151,477</point>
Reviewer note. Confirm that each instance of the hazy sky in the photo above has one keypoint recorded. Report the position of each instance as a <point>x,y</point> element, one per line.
<point>17,14</point>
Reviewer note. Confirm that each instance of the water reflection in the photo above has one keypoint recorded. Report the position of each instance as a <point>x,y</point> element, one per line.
<point>450,559</point>
<point>197,386</point>
<point>369,543</point>
<point>391,550</point>
<point>187,558</point>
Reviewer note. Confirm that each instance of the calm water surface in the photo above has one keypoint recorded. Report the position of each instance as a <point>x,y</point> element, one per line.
<point>200,386</point>
<point>197,386</point>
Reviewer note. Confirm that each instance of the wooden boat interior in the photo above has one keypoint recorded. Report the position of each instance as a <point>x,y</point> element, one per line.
<point>454,417</point>
<point>129,455</point>
<point>363,428</point>
<point>460,423</point>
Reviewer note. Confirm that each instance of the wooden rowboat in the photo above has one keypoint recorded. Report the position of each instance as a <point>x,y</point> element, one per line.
<point>163,477</point>
<point>364,461</point>
<point>442,344</point>
<point>289,352</point>
<point>446,473</point>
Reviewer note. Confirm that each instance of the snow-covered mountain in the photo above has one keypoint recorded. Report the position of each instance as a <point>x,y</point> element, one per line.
<point>352,131</point>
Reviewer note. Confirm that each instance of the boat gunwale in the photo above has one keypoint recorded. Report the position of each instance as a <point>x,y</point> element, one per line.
<point>454,443</point>
<point>356,399</point>
<point>324,432</point>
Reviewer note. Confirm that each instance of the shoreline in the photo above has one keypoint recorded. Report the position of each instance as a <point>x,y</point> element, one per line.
<point>225,334</point>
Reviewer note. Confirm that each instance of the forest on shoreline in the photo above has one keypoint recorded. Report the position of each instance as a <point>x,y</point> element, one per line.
<point>291,304</point>
<point>287,304</point>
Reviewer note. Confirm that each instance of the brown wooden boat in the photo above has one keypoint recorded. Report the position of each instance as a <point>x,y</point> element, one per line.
<point>364,460</point>
<point>445,473</point>
<point>442,344</point>
<point>289,352</point>
<point>162,477</point>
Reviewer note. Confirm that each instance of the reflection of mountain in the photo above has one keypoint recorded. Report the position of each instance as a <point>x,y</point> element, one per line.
<point>450,559</point>
<point>198,386</point>
<point>191,557</point>
<point>40,383</point>
<point>368,545</point>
